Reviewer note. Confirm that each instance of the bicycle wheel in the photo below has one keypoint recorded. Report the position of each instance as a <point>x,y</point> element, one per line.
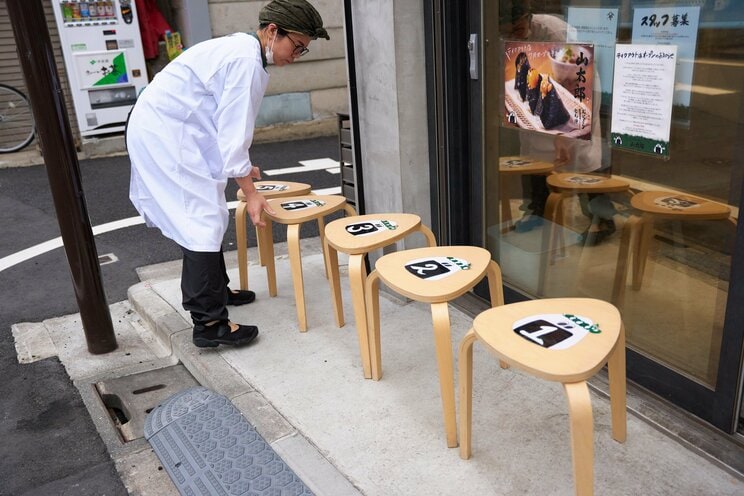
<point>17,127</point>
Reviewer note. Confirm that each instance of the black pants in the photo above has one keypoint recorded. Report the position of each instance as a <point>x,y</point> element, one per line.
<point>204,285</point>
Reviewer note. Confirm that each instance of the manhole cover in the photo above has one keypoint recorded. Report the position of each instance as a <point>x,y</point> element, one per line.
<point>130,398</point>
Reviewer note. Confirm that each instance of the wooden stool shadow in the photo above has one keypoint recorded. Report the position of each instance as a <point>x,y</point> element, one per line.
<point>293,212</point>
<point>435,275</point>
<point>563,186</point>
<point>269,189</point>
<point>356,237</point>
<point>565,340</point>
<point>638,230</point>
<point>516,166</point>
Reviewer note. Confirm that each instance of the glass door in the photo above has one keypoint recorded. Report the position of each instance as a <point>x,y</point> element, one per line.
<point>570,209</point>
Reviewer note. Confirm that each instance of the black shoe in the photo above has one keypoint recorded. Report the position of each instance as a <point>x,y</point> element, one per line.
<point>593,238</point>
<point>210,336</point>
<point>528,223</point>
<point>241,297</point>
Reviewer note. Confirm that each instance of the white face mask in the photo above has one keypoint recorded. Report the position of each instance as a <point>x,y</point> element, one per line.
<point>270,52</point>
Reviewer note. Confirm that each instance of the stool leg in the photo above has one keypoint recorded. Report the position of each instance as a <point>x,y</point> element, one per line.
<point>641,252</point>
<point>357,275</point>
<point>258,246</point>
<point>334,281</point>
<point>242,236</point>
<point>429,235</point>
<point>321,235</point>
<point>496,292</point>
<point>621,269</point>
<point>616,371</point>
<point>582,436</point>
<point>372,300</point>
<point>443,345</point>
<point>295,262</point>
<point>267,249</point>
<point>465,369</point>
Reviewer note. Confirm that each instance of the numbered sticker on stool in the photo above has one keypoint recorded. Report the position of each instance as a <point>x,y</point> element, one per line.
<point>370,227</point>
<point>301,204</point>
<point>436,267</point>
<point>271,187</point>
<point>584,180</point>
<point>555,331</point>
<point>516,163</point>
<point>675,203</point>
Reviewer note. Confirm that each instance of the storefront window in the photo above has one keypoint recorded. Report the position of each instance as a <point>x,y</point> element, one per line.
<point>592,199</point>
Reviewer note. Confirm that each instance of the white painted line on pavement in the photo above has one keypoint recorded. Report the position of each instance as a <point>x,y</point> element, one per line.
<point>53,244</point>
<point>307,166</point>
<point>328,191</point>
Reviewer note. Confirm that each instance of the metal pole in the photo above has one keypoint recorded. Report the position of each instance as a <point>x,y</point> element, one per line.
<point>57,145</point>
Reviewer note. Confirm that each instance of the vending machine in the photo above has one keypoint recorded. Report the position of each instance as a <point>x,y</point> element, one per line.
<point>106,69</point>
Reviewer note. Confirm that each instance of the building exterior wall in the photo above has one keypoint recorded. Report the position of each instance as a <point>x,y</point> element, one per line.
<point>314,87</point>
<point>391,90</point>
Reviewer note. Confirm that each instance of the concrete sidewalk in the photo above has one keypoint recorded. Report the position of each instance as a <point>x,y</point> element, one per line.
<point>345,435</point>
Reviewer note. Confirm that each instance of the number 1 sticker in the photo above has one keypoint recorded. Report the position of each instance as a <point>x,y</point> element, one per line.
<point>555,331</point>
<point>271,187</point>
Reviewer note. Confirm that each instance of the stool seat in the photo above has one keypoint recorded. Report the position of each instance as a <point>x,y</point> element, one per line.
<point>587,183</point>
<point>365,233</point>
<point>434,274</point>
<point>299,209</point>
<point>565,340</point>
<point>293,211</point>
<point>585,340</point>
<point>356,236</point>
<point>278,189</point>
<point>269,189</point>
<point>669,205</point>
<point>517,165</point>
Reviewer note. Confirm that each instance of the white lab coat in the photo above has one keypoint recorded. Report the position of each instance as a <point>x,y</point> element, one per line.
<point>189,132</point>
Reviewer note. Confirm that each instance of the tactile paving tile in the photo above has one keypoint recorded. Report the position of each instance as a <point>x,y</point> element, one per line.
<point>209,448</point>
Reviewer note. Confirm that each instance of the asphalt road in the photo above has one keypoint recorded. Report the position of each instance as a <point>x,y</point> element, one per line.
<point>48,444</point>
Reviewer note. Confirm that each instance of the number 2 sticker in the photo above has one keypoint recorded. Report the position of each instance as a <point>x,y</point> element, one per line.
<point>436,267</point>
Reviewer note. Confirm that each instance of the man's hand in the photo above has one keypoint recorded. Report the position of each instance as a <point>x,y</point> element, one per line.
<point>255,173</point>
<point>255,202</point>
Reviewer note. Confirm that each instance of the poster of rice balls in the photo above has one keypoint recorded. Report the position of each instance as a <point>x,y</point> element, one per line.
<point>548,87</point>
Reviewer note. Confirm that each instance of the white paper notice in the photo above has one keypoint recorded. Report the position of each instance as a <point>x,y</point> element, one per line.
<point>643,90</point>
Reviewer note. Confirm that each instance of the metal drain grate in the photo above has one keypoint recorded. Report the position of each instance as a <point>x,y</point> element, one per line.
<point>208,447</point>
<point>130,398</point>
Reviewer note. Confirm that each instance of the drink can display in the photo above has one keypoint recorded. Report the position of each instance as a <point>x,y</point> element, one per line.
<point>75,11</point>
<point>109,9</point>
<point>84,12</point>
<point>102,10</point>
<point>67,11</point>
<point>93,10</point>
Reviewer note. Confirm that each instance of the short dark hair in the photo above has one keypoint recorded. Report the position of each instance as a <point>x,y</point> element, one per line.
<point>280,31</point>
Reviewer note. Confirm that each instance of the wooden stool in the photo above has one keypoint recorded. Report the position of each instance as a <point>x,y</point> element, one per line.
<point>517,166</point>
<point>562,186</point>
<point>565,340</point>
<point>433,275</point>
<point>270,189</point>
<point>638,231</point>
<point>358,236</point>
<point>293,211</point>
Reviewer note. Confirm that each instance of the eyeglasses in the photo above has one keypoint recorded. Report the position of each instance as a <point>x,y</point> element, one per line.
<point>299,48</point>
